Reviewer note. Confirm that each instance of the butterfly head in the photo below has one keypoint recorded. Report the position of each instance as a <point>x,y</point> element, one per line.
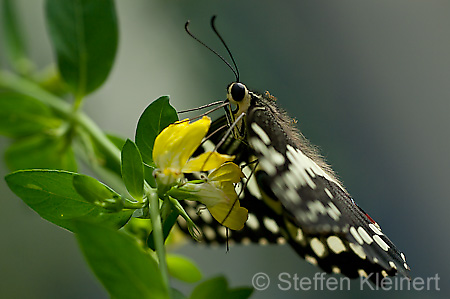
<point>239,95</point>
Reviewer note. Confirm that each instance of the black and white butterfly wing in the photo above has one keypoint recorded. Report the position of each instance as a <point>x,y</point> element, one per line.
<point>320,220</point>
<point>293,196</point>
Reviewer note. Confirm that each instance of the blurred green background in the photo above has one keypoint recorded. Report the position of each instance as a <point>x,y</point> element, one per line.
<point>368,81</point>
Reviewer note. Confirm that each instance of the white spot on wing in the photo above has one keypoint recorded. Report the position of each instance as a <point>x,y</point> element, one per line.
<point>206,216</point>
<point>252,185</point>
<point>311,260</point>
<point>252,222</point>
<point>269,158</point>
<point>316,207</point>
<point>362,273</point>
<point>333,211</point>
<point>375,229</point>
<point>336,269</point>
<point>192,212</point>
<point>281,240</point>
<point>223,231</point>
<point>293,196</point>
<point>318,247</point>
<point>336,244</point>
<point>328,193</point>
<point>246,241</point>
<point>380,242</point>
<point>403,256</point>
<point>182,222</point>
<point>356,235</point>
<point>364,235</point>
<point>358,250</point>
<point>271,225</point>
<point>268,167</point>
<point>263,241</point>
<point>304,166</point>
<point>392,265</point>
<point>299,237</point>
<point>209,233</point>
<point>260,132</point>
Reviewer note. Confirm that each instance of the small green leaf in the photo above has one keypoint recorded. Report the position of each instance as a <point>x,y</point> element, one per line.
<point>41,151</point>
<point>84,35</point>
<point>158,115</point>
<point>13,40</point>
<point>52,195</point>
<point>183,269</point>
<point>216,288</point>
<point>133,170</point>
<point>240,293</point>
<point>97,193</point>
<point>21,115</point>
<point>124,269</point>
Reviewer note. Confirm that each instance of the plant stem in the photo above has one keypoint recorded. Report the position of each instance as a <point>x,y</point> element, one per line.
<point>27,87</point>
<point>158,236</point>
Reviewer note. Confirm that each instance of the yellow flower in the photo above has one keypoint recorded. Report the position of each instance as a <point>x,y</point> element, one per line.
<point>174,147</point>
<point>218,194</point>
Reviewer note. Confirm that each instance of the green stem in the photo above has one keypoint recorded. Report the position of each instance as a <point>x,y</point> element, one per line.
<point>27,87</point>
<point>158,236</point>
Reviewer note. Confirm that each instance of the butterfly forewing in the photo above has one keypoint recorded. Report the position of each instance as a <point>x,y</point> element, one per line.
<point>293,196</point>
<point>332,231</point>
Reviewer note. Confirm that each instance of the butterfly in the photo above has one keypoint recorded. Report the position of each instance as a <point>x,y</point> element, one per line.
<point>292,195</point>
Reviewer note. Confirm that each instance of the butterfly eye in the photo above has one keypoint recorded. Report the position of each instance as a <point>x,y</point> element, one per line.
<point>238,92</point>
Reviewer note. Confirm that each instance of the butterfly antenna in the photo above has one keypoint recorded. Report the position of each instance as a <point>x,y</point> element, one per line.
<point>201,107</point>
<point>213,26</point>
<point>186,27</point>
<point>223,104</point>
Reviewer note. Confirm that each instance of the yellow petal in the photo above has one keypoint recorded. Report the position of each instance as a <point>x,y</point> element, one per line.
<point>175,144</point>
<point>167,137</point>
<point>192,137</point>
<point>228,172</point>
<point>235,219</point>
<point>206,161</point>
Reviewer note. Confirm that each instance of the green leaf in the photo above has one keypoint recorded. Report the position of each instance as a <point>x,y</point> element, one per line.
<point>133,170</point>
<point>84,35</point>
<point>52,195</point>
<point>125,270</point>
<point>183,269</point>
<point>13,40</point>
<point>21,115</point>
<point>41,151</point>
<point>158,115</point>
<point>216,288</point>
<point>97,193</point>
<point>240,293</point>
